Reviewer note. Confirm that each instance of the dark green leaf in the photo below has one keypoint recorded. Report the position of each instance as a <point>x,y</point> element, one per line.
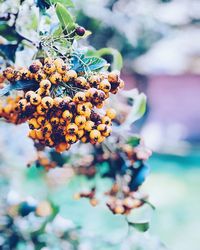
<point>8,32</point>
<point>43,4</point>
<point>5,90</point>
<point>8,51</point>
<point>117,63</point>
<point>142,227</point>
<point>134,141</point>
<point>149,203</point>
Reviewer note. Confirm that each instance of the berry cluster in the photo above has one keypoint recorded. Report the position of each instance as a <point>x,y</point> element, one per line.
<point>61,106</point>
<point>126,202</point>
<point>10,110</point>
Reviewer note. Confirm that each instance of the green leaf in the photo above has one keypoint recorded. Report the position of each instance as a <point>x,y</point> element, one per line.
<point>141,227</point>
<point>85,64</point>
<point>134,141</point>
<point>138,109</point>
<point>8,32</point>
<point>117,63</point>
<point>65,18</point>
<point>95,63</point>
<point>150,204</point>
<point>66,3</point>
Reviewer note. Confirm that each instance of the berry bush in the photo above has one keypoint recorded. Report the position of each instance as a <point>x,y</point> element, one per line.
<point>66,93</point>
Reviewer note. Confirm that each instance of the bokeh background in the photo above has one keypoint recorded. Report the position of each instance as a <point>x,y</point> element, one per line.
<point>160,44</point>
<point>159,41</point>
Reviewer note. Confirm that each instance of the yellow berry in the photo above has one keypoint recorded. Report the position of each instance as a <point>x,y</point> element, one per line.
<point>91,93</point>
<point>80,133</point>
<point>100,105</point>
<point>67,116</point>
<point>82,82</point>
<point>106,120</point>
<point>9,73</point>
<point>70,138</point>
<point>47,102</point>
<point>47,128</point>
<point>58,61</point>
<point>22,104</point>
<point>71,74</point>
<point>55,78</point>
<point>101,139</point>
<point>83,109</point>
<point>41,110</point>
<point>25,73</point>
<point>35,66</point>
<point>79,97</point>
<point>49,68</point>
<point>48,60</point>
<point>88,104</point>
<point>89,126</point>
<point>33,124</point>
<point>67,99</point>
<point>72,128</point>
<point>32,134</point>
<point>29,94</point>
<point>39,134</point>
<point>95,135</point>
<point>80,120</point>
<point>41,91</point>
<point>111,113</point>
<point>35,99</point>
<point>105,86</point>
<point>107,132</point>
<point>39,76</point>
<point>58,101</point>
<point>55,121</point>
<point>113,76</point>
<point>41,120</point>
<point>102,127</point>
<point>94,81</point>
<point>60,66</point>
<point>45,84</point>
